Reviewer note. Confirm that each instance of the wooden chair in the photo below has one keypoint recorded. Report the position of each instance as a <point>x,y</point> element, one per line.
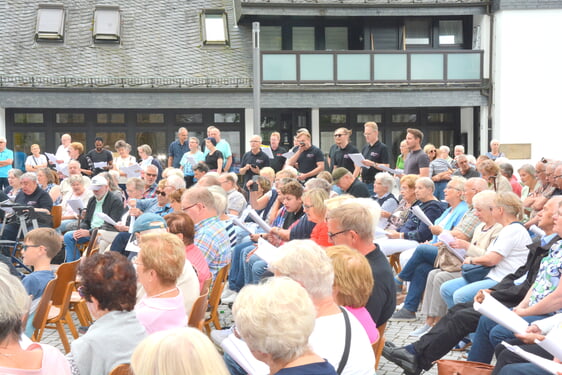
<point>122,369</point>
<point>59,314</point>
<point>379,345</point>
<point>394,261</point>
<point>214,299</point>
<point>42,311</point>
<point>206,286</point>
<point>86,249</point>
<point>198,311</point>
<point>56,213</point>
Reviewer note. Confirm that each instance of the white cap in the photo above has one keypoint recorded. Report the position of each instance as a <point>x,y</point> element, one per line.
<point>97,182</point>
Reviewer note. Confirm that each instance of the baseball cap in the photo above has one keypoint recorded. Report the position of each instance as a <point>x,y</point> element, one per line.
<point>149,221</point>
<point>338,173</point>
<point>97,182</point>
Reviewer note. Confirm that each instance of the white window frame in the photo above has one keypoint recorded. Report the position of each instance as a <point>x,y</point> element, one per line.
<point>50,22</point>
<point>210,27</point>
<point>107,24</point>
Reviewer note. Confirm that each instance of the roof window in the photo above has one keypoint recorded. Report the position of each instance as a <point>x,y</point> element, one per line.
<point>50,22</point>
<point>214,26</point>
<point>107,24</point>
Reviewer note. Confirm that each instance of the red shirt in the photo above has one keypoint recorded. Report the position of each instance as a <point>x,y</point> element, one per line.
<point>198,261</point>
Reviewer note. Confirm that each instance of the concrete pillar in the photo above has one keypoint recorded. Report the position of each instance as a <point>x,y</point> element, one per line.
<point>2,122</point>
<point>315,126</point>
<point>248,128</point>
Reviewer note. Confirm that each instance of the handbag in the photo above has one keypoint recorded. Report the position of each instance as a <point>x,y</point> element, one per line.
<point>446,260</point>
<point>453,367</point>
<point>474,272</point>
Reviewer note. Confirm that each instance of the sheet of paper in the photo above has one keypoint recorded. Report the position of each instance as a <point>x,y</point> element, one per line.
<point>106,218</point>
<point>421,215</point>
<point>389,170</point>
<point>132,171</point>
<point>288,154</point>
<point>258,220</point>
<point>538,231</point>
<point>132,245</point>
<point>52,158</point>
<point>446,237</point>
<point>267,251</point>
<point>552,343</point>
<point>76,205</point>
<point>267,151</point>
<point>357,159</point>
<point>245,212</point>
<point>63,169</point>
<point>240,352</point>
<point>543,363</point>
<point>100,164</point>
<point>500,314</point>
<point>243,225</point>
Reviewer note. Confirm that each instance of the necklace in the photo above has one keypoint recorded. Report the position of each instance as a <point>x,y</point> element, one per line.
<point>162,293</point>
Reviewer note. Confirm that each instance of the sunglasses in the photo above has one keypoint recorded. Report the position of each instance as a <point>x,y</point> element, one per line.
<point>151,175</point>
<point>162,193</point>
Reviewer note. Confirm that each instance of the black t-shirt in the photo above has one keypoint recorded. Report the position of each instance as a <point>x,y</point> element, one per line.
<point>260,160</point>
<point>38,199</point>
<point>340,157</point>
<point>377,153</point>
<point>212,159</point>
<point>382,303</point>
<point>278,162</point>
<point>308,159</point>
<point>358,189</point>
<point>97,157</point>
<point>85,163</point>
<point>291,217</point>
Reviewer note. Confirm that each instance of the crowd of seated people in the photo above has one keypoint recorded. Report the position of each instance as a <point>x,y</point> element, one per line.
<point>163,233</point>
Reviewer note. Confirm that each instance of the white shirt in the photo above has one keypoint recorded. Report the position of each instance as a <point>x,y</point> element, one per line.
<point>62,154</point>
<point>511,243</point>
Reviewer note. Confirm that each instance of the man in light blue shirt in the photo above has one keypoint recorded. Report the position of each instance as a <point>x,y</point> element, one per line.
<point>6,160</point>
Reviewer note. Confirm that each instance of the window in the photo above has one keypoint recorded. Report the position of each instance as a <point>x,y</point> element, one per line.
<point>336,38</point>
<point>50,22</point>
<point>111,118</point>
<point>69,118</point>
<point>227,117</point>
<point>418,32</point>
<point>28,118</point>
<point>270,38</point>
<point>450,32</point>
<point>303,38</point>
<point>150,118</point>
<point>189,118</point>
<point>107,24</point>
<point>214,26</point>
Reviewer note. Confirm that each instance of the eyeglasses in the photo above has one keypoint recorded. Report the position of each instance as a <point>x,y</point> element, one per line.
<point>188,207</point>
<point>25,247</point>
<point>432,150</point>
<point>307,206</point>
<point>159,192</point>
<point>151,175</point>
<point>339,135</point>
<point>452,188</point>
<point>543,160</point>
<point>332,235</point>
<point>557,176</point>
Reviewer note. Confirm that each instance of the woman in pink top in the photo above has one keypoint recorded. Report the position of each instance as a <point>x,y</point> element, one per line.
<point>180,224</point>
<point>353,285</point>
<point>159,265</point>
<point>35,359</point>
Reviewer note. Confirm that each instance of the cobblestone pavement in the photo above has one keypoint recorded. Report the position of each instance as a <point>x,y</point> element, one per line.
<point>396,332</point>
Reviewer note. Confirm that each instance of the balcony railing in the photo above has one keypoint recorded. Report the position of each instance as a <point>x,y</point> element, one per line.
<point>368,67</point>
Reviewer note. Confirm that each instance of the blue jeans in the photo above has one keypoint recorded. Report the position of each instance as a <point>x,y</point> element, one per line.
<point>459,290</point>
<point>236,274</point>
<point>416,271</point>
<point>488,335</point>
<point>523,369</point>
<point>440,189</point>
<point>70,248</point>
<point>233,367</point>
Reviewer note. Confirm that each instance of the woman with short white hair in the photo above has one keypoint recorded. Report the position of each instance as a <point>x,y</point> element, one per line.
<point>276,319</point>
<point>384,183</point>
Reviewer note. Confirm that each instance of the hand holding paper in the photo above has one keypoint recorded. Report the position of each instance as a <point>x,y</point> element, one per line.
<point>500,314</point>
<point>106,218</point>
<point>416,210</point>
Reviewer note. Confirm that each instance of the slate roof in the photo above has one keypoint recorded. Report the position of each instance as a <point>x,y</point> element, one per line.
<point>367,2</point>
<point>161,47</point>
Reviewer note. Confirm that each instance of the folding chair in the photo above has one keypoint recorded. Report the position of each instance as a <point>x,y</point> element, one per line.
<point>214,299</point>
<point>122,369</point>
<point>379,345</point>
<point>42,311</point>
<point>197,314</point>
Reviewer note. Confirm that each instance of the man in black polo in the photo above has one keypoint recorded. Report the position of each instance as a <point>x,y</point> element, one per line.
<point>308,159</point>
<point>339,152</point>
<point>98,155</point>
<point>349,184</point>
<point>375,153</point>
<point>278,161</point>
<point>253,160</point>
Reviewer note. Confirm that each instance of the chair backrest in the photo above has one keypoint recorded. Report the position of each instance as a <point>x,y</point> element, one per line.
<point>92,243</point>
<point>206,286</point>
<point>197,314</point>
<point>42,310</point>
<point>65,274</point>
<point>56,213</point>
<point>379,345</point>
<point>122,369</point>
<point>218,285</point>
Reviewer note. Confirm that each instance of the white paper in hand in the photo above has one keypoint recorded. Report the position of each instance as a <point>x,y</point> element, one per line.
<point>105,218</point>
<point>544,363</point>
<point>76,205</point>
<point>267,251</point>
<point>240,352</point>
<point>500,314</point>
<point>52,158</point>
<point>132,171</point>
<point>421,215</point>
<point>267,150</point>
<point>357,160</point>
<point>552,343</point>
<point>100,164</point>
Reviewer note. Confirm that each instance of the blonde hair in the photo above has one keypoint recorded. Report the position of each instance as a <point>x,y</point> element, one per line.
<point>276,317</point>
<point>353,277</point>
<point>185,351</point>
<point>165,254</point>
<point>410,180</point>
<point>317,198</point>
<point>371,124</point>
<point>510,202</point>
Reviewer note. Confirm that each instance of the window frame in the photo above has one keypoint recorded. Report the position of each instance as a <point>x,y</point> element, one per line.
<point>56,34</point>
<point>203,23</point>
<point>103,35</point>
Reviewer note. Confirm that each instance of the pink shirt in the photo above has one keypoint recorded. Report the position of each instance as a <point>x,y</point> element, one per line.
<point>160,314</point>
<point>197,259</point>
<point>366,321</point>
<point>53,363</point>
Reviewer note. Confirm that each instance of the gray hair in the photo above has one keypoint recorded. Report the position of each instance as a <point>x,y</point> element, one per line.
<point>220,197</point>
<point>484,199</point>
<point>146,149</point>
<point>76,178</point>
<point>14,304</point>
<point>386,180</point>
<point>318,183</point>
<point>529,169</point>
<point>460,147</point>
<point>426,182</point>
<point>136,183</point>
<point>176,181</point>
<point>356,216</point>
<point>458,181</point>
<point>307,263</point>
<point>29,176</point>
